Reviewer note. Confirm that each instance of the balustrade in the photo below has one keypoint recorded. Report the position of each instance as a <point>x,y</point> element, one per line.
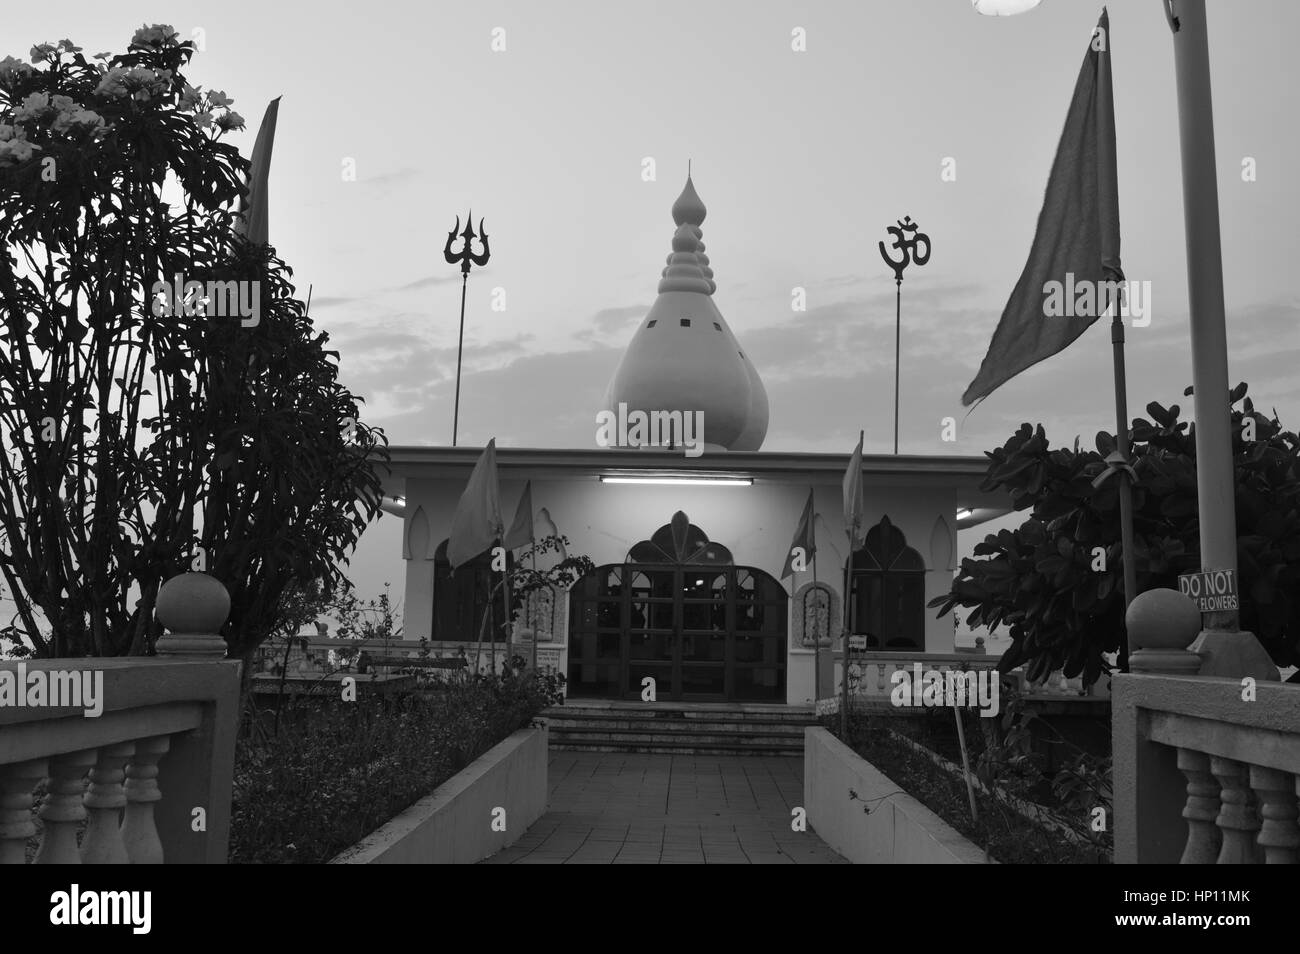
<point>1205,771</point>
<point>122,786</point>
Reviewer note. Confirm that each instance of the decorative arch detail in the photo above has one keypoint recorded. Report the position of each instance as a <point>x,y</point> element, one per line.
<point>680,542</point>
<point>818,615</point>
<point>418,536</point>
<point>886,551</point>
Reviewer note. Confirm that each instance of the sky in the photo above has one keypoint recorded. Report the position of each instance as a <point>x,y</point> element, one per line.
<point>803,158</point>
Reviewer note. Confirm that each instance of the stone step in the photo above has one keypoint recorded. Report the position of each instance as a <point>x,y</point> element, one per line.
<point>793,717</point>
<point>791,732</point>
<point>677,728</point>
<point>655,736</point>
<point>676,725</point>
<point>667,749</point>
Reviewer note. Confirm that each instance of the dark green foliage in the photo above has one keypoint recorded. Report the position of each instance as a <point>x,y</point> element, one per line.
<point>1014,785</point>
<point>336,771</point>
<point>1045,581</point>
<point>139,445</point>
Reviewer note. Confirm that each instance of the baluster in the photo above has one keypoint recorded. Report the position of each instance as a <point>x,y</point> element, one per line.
<point>1201,810</point>
<point>1279,835</point>
<point>16,823</point>
<point>104,801</point>
<point>139,833</point>
<point>1237,819</point>
<point>62,810</point>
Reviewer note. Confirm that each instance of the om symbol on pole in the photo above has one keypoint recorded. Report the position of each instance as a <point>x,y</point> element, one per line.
<point>913,247</point>
<point>909,242</point>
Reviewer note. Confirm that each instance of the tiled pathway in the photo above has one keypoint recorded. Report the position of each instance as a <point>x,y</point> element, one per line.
<point>615,808</point>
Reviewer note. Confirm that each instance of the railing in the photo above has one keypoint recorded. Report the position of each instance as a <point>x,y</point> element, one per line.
<point>147,780</point>
<point>1207,770</point>
<point>315,655</point>
<point>871,673</point>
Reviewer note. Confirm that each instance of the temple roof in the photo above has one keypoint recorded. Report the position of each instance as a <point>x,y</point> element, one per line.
<point>683,356</point>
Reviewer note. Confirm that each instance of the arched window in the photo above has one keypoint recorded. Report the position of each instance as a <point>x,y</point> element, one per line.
<point>889,591</point>
<point>460,598</point>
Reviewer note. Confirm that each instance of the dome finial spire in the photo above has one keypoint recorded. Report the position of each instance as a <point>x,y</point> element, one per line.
<point>688,208</point>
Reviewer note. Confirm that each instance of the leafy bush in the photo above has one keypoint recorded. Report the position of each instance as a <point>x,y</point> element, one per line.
<point>1005,830</point>
<point>1057,581</point>
<point>337,771</point>
<point>144,438</point>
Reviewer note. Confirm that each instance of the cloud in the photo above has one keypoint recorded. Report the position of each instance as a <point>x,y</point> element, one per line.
<point>428,281</point>
<point>609,321</point>
<point>330,301</point>
<point>390,178</point>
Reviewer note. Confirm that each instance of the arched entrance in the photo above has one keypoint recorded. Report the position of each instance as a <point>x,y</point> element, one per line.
<point>678,611</point>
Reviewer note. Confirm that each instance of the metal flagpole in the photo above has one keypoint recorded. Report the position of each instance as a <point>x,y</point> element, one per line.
<point>465,257</point>
<point>532,555</point>
<point>898,334</point>
<point>909,242</point>
<point>844,675</point>
<point>505,605</point>
<point>817,639</point>
<point>460,344</point>
<point>1126,472</point>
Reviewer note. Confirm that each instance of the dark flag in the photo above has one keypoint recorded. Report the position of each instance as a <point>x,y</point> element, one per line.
<point>253,225</point>
<point>476,522</point>
<point>520,533</point>
<point>804,538</point>
<point>1076,243</point>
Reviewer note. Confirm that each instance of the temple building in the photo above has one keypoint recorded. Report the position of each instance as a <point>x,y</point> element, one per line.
<point>690,536</point>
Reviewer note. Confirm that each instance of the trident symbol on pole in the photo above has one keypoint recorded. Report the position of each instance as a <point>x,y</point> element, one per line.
<point>465,257</point>
<point>909,242</point>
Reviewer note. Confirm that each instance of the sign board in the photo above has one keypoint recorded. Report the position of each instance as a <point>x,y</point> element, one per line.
<point>548,658</point>
<point>1213,591</point>
<point>857,642</point>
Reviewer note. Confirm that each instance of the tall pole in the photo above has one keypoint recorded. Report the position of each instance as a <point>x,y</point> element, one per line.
<point>505,603</point>
<point>465,258</point>
<point>532,556</point>
<point>898,332</point>
<point>460,343</point>
<point>844,638</point>
<point>817,638</point>
<point>1120,463</point>
<point>1124,474</point>
<point>1225,649</point>
<point>913,247</point>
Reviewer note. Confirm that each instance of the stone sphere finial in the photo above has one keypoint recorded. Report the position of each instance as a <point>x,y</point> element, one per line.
<point>193,607</point>
<point>1161,624</point>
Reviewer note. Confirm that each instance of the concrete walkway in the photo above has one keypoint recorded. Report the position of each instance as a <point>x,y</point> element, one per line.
<point>616,808</point>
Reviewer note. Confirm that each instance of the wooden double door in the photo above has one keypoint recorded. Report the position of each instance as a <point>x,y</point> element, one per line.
<point>701,632</point>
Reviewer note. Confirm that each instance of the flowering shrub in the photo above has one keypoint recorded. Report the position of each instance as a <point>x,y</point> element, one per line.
<point>141,442</point>
<point>100,97</point>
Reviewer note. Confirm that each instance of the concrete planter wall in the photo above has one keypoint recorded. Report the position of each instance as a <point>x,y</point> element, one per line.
<point>899,830</point>
<point>454,825</point>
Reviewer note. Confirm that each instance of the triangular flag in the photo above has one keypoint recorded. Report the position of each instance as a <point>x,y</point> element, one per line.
<point>853,506</point>
<point>476,524</point>
<point>549,529</point>
<point>1075,252</point>
<point>254,223</point>
<point>521,530</point>
<point>804,538</point>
